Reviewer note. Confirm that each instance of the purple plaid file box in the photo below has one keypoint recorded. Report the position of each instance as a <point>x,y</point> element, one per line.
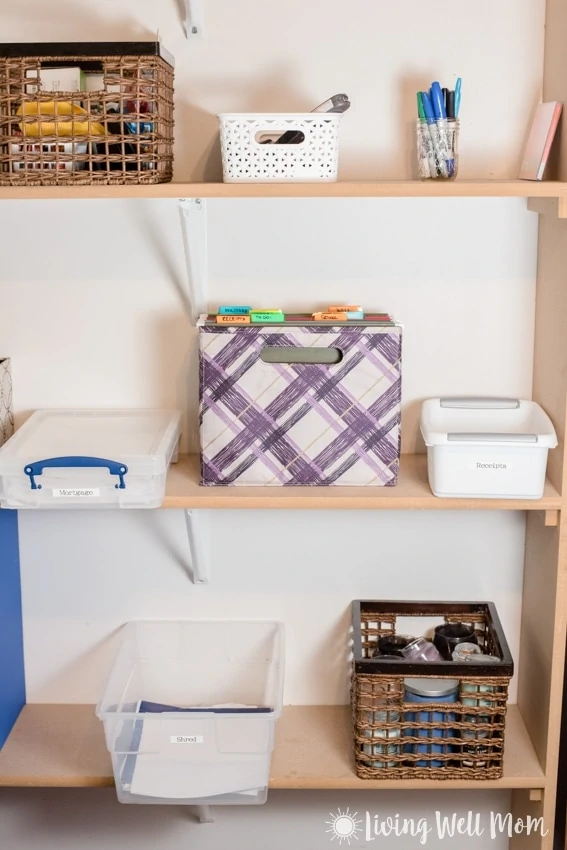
<point>299,423</point>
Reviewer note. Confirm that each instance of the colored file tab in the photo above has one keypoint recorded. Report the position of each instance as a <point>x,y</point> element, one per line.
<point>264,316</point>
<point>330,317</point>
<point>356,314</point>
<point>352,308</point>
<point>234,311</point>
<point>233,320</point>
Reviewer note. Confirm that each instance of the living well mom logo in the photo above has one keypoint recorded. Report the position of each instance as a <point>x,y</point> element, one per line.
<point>347,827</point>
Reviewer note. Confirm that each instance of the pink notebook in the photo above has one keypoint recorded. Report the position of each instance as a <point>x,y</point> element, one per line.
<point>540,140</point>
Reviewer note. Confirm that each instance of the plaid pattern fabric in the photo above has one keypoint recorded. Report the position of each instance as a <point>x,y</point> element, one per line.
<point>6,415</point>
<point>301,423</point>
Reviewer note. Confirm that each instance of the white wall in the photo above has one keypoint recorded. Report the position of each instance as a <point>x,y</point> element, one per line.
<point>117,333</point>
<point>90,819</point>
<point>101,286</point>
<point>94,312</point>
<point>84,574</point>
<point>266,56</point>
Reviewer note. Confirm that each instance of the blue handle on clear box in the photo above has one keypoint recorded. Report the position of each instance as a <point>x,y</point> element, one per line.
<point>33,470</point>
<point>144,127</point>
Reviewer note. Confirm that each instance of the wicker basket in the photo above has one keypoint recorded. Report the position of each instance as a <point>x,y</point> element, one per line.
<point>118,131</point>
<point>6,412</point>
<point>396,739</point>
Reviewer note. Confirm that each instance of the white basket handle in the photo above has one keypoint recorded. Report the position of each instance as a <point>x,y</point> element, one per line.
<point>478,437</point>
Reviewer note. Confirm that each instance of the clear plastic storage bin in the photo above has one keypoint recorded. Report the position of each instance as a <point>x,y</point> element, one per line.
<point>89,459</point>
<point>189,711</point>
<point>491,448</point>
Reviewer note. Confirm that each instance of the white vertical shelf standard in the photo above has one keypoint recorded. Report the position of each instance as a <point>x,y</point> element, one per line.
<point>193,218</point>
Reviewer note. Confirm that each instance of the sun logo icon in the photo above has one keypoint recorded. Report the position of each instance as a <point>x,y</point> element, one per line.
<point>344,826</point>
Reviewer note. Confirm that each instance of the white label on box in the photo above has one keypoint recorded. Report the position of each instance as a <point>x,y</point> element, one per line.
<point>56,80</point>
<point>76,492</point>
<point>490,465</point>
<point>186,739</point>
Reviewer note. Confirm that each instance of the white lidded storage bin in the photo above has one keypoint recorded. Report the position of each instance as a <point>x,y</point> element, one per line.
<point>253,153</point>
<point>491,448</point>
<point>89,459</point>
<point>190,708</point>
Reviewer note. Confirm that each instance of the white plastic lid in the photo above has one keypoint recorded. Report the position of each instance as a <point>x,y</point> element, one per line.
<point>486,421</point>
<point>142,439</point>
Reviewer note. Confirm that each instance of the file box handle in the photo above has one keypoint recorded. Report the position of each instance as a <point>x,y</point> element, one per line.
<point>308,356</point>
<point>492,438</point>
<point>32,470</point>
<point>480,403</point>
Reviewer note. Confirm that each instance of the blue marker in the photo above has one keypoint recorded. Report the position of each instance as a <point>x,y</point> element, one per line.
<point>437,101</point>
<point>439,143</point>
<point>438,105</point>
<point>458,96</point>
<point>427,107</point>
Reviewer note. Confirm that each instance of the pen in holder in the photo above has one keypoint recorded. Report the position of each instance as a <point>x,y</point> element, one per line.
<point>438,148</point>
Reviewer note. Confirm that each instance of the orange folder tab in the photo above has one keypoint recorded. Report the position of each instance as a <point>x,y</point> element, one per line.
<point>330,317</point>
<point>233,320</point>
<point>347,309</point>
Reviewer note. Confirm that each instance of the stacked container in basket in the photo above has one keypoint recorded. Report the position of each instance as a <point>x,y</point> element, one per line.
<point>428,719</point>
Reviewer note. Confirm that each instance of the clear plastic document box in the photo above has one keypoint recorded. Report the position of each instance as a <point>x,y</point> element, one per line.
<point>492,448</point>
<point>190,708</point>
<point>89,459</point>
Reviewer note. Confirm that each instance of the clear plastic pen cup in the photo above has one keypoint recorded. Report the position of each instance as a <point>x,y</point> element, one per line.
<point>438,149</point>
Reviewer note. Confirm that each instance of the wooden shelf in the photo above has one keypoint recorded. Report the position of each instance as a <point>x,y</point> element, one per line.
<point>63,746</point>
<point>343,189</point>
<point>411,493</point>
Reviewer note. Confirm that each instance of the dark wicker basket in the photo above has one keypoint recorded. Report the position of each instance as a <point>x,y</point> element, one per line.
<point>121,132</point>
<point>396,739</point>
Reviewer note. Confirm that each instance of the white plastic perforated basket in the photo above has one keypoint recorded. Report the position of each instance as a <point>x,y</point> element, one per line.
<point>245,159</point>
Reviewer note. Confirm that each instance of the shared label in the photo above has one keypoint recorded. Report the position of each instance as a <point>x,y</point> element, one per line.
<point>76,492</point>
<point>186,739</point>
<point>494,465</point>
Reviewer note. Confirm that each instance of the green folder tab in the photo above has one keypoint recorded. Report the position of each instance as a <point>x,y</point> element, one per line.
<point>267,316</point>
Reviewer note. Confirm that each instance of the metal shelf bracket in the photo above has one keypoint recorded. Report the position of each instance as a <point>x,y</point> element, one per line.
<point>194,19</point>
<point>193,218</point>
<point>197,523</point>
<point>205,814</point>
